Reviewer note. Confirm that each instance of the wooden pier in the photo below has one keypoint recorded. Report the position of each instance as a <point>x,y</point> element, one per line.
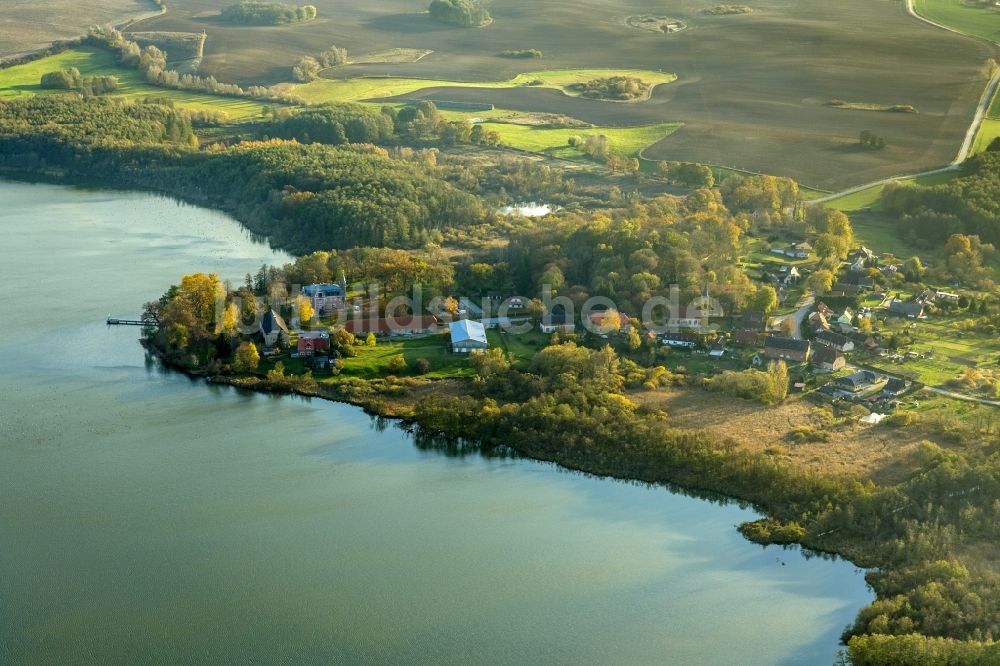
<point>114,321</point>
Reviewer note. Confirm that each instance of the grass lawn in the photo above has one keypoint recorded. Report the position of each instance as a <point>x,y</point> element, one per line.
<point>980,22</point>
<point>373,362</point>
<point>24,80</point>
<point>625,141</point>
<point>989,130</point>
<point>357,89</point>
<point>523,346</point>
<point>869,198</point>
<point>879,233</point>
<point>952,351</point>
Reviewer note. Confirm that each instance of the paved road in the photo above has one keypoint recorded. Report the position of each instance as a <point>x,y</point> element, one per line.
<point>970,134</point>
<point>799,316</point>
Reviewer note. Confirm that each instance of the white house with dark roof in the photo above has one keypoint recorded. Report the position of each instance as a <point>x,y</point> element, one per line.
<point>273,328</point>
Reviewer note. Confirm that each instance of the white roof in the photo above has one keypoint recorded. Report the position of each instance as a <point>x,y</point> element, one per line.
<point>466,330</point>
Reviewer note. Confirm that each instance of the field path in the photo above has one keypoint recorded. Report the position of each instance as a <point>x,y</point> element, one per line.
<point>970,134</point>
<point>962,396</point>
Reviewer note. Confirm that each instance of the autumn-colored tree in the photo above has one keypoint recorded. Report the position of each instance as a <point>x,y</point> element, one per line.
<point>371,340</point>
<point>247,358</point>
<point>491,363</point>
<point>820,282</point>
<point>305,308</point>
<point>397,364</point>
<point>765,300</point>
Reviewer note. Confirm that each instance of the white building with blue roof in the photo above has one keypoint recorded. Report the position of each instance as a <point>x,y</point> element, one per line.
<point>468,337</point>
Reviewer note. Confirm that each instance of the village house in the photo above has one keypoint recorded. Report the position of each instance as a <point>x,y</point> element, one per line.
<point>947,296</point>
<point>717,348</point>
<point>400,325</point>
<point>746,337</point>
<point>841,343</point>
<point>862,253</point>
<point>597,319</point>
<point>754,320</point>
<point>787,349</point>
<point>845,321</point>
<point>894,387</point>
<point>273,329</point>
<point>846,289</point>
<point>904,309</point>
<point>802,250</point>
<point>467,307</point>
<point>828,359</point>
<point>557,322</point>
<point>818,322</point>
<point>324,298</point>
<point>311,343</point>
<point>468,337</point>
<point>859,381</point>
<point>680,340</point>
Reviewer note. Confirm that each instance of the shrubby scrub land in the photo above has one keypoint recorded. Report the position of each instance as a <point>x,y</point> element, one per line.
<point>465,13</point>
<point>252,12</point>
<point>622,88</point>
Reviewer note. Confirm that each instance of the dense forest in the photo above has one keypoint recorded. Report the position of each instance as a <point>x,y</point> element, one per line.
<point>967,205</point>
<point>254,12</point>
<point>303,197</point>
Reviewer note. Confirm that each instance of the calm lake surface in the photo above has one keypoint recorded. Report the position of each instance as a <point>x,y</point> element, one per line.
<point>149,518</point>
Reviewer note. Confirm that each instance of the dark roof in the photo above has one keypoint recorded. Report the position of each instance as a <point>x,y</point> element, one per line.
<point>908,309</point>
<point>745,336</point>
<point>557,319</point>
<point>788,344</point>
<point>754,319</point>
<point>271,321</point>
<point>846,288</point>
<point>681,337</point>
<point>831,338</point>
<point>325,289</point>
<point>895,385</point>
<point>860,378</point>
<point>826,355</point>
<point>385,325</point>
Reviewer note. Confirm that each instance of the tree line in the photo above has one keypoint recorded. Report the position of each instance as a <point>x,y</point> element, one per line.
<point>302,197</point>
<point>970,204</point>
<point>152,64</point>
<point>255,12</point>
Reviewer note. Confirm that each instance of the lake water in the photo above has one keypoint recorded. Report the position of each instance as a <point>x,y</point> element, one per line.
<point>532,209</point>
<point>149,518</point>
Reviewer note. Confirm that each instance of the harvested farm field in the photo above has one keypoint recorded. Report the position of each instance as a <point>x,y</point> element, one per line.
<point>752,90</point>
<point>26,25</point>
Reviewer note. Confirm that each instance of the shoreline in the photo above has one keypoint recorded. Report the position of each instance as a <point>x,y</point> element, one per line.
<point>378,408</point>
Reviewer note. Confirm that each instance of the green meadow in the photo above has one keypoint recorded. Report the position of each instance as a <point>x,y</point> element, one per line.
<point>25,79</point>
